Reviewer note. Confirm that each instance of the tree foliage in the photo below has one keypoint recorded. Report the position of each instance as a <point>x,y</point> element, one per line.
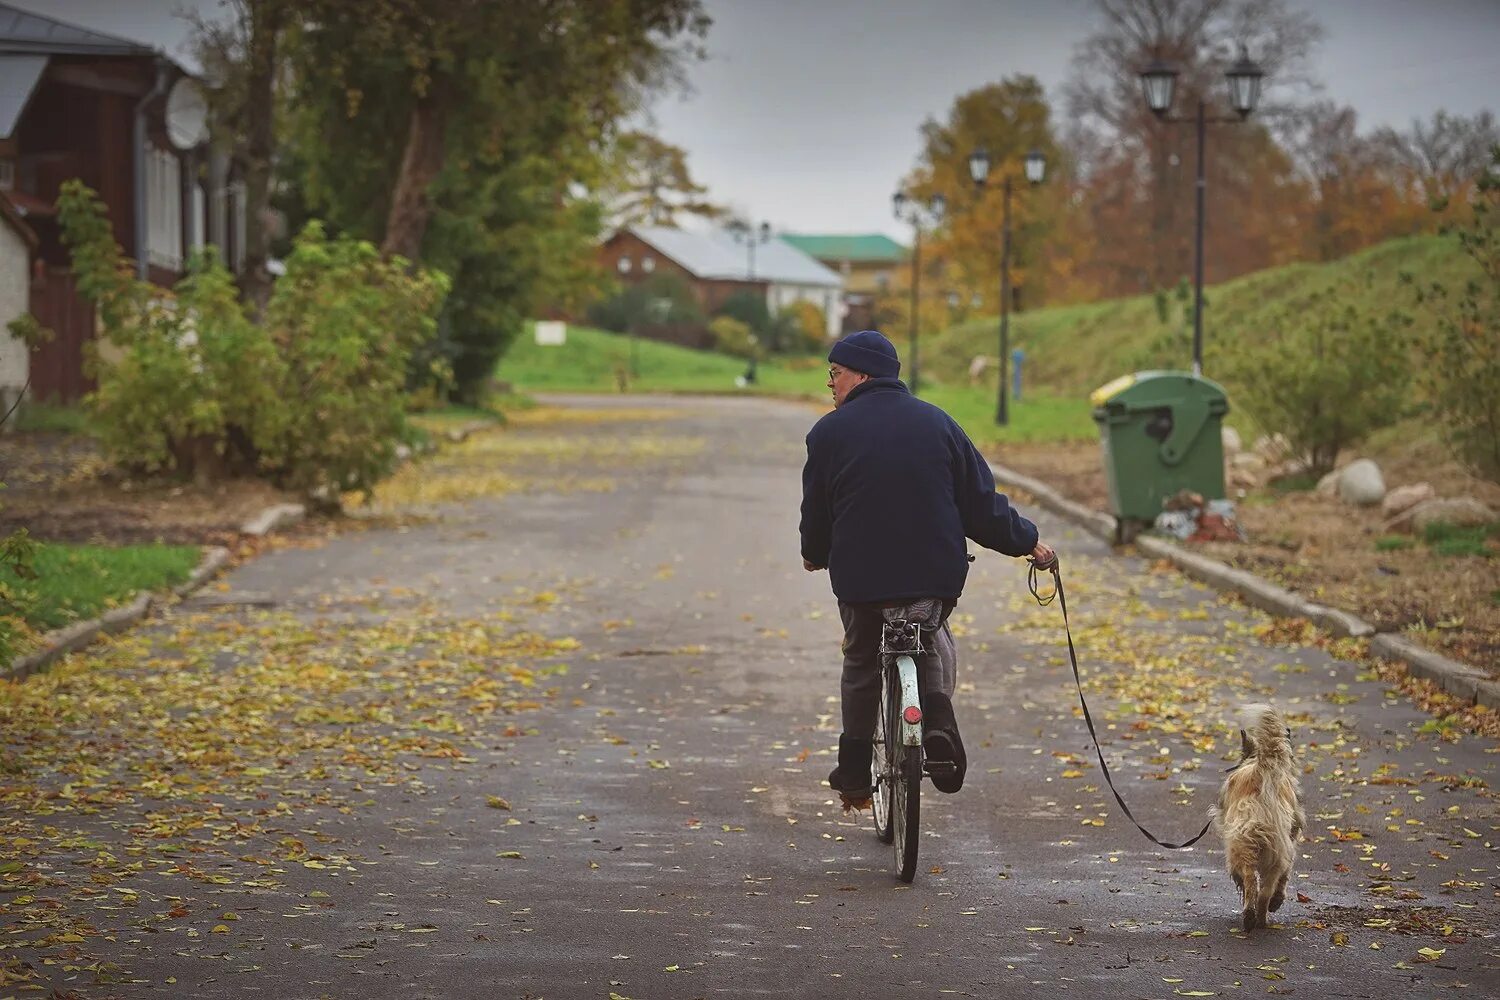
<point>497,110</point>
<point>645,181</point>
<point>1463,377</point>
<point>1008,119</point>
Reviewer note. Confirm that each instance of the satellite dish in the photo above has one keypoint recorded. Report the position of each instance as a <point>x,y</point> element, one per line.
<point>187,114</point>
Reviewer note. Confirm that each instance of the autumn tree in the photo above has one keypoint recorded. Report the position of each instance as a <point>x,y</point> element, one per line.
<point>1144,168</point>
<point>1008,119</point>
<point>646,181</point>
<point>1440,158</point>
<point>497,111</point>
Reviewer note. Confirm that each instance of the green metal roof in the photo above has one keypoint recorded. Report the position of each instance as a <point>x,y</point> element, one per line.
<point>860,247</point>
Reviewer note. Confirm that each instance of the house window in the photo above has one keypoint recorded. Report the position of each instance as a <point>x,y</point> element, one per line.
<point>624,265</point>
<point>163,209</point>
<point>7,175</point>
<point>648,263</point>
<point>199,218</point>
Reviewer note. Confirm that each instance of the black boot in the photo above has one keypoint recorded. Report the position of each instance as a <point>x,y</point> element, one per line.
<point>851,778</point>
<point>942,743</point>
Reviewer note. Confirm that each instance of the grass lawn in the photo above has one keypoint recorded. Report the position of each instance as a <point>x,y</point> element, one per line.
<point>589,359</point>
<point>79,581</point>
<point>588,362</point>
<point>50,417</point>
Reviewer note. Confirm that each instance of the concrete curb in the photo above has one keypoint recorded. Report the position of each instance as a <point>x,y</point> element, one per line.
<point>60,642</point>
<point>275,516</point>
<point>1458,679</point>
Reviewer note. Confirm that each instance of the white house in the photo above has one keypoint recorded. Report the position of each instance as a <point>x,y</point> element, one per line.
<point>17,243</point>
<point>717,264</point>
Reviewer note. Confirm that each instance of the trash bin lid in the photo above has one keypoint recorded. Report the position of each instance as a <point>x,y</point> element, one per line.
<point>1150,390</point>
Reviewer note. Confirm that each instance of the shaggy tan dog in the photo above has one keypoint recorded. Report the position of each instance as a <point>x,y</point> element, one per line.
<point>1259,814</point>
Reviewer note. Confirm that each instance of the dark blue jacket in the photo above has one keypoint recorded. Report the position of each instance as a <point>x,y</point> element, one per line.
<point>891,488</point>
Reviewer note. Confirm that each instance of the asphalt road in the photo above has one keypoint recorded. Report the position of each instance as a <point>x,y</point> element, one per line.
<point>669,833</point>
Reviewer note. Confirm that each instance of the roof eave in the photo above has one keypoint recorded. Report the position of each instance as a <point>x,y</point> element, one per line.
<point>63,49</point>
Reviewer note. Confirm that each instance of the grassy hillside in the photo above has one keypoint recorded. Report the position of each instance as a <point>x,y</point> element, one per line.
<point>1070,350</point>
<point>1074,349</point>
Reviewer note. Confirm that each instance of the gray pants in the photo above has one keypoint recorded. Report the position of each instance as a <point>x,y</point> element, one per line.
<point>937,669</point>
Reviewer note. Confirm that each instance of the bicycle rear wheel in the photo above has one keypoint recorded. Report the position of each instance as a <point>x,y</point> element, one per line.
<point>906,806</point>
<point>881,774</point>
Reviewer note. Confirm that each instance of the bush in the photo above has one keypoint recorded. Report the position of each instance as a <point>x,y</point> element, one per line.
<point>662,300</point>
<point>749,308</point>
<point>311,397</point>
<point>732,337</point>
<point>802,328</point>
<point>346,322</point>
<point>1326,377</point>
<point>1463,378</point>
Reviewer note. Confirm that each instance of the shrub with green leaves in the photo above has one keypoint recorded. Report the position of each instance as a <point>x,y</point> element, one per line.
<point>1325,374</point>
<point>345,322</point>
<point>309,397</point>
<point>732,336</point>
<point>802,327</point>
<point>1463,378</point>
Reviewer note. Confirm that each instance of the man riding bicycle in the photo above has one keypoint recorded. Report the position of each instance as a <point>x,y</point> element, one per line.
<point>891,489</point>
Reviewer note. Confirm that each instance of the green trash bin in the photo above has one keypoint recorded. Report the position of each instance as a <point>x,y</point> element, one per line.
<point>1161,434</point>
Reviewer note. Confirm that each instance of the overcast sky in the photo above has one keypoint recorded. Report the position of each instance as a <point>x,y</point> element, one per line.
<point>806,112</point>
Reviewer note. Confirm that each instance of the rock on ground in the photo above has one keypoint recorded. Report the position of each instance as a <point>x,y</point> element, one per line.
<point>1404,498</point>
<point>1361,484</point>
<point>1463,511</point>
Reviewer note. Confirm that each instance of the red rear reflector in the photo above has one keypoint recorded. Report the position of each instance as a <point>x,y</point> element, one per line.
<point>912,715</point>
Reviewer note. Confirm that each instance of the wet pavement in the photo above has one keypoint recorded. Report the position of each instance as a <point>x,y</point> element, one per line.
<point>662,828</point>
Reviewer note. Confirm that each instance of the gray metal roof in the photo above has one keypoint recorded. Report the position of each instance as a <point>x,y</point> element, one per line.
<point>718,255</point>
<point>23,31</point>
<point>18,77</point>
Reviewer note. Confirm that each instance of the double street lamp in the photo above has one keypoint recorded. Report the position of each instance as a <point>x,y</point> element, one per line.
<point>751,236</point>
<point>1035,165</point>
<point>917,215</point>
<point>1159,81</point>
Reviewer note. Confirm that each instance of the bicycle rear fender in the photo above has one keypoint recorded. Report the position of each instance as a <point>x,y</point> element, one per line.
<point>911,733</point>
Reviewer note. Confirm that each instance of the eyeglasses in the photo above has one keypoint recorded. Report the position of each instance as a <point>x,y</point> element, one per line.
<point>834,373</point>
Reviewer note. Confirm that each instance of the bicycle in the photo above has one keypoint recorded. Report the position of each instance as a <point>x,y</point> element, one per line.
<point>897,763</point>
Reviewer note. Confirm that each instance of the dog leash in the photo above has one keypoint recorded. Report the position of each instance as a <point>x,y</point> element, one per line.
<point>1062,600</point>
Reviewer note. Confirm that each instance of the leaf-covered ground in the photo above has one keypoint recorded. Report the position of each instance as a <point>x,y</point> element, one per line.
<point>1338,555</point>
<point>560,743</point>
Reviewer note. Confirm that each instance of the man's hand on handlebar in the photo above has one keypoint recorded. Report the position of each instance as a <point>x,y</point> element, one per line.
<point>1043,556</point>
<point>807,565</point>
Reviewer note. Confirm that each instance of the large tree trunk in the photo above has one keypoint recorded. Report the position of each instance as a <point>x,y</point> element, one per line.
<point>422,161</point>
<point>266,18</point>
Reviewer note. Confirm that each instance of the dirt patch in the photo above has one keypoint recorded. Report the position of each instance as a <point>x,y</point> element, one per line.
<point>1330,552</point>
<point>58,487</point>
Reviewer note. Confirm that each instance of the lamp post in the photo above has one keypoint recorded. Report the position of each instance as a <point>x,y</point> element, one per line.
<point>915,214</point>
<point>1158,81</point>
<point>751,236</point>
<point>1035,165</point>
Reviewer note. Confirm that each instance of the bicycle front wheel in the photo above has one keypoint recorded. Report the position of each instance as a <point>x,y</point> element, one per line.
<point>906,806</point>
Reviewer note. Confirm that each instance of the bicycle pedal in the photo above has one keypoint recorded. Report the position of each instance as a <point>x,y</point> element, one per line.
<point>854,805</point>
<point>939,767</point>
